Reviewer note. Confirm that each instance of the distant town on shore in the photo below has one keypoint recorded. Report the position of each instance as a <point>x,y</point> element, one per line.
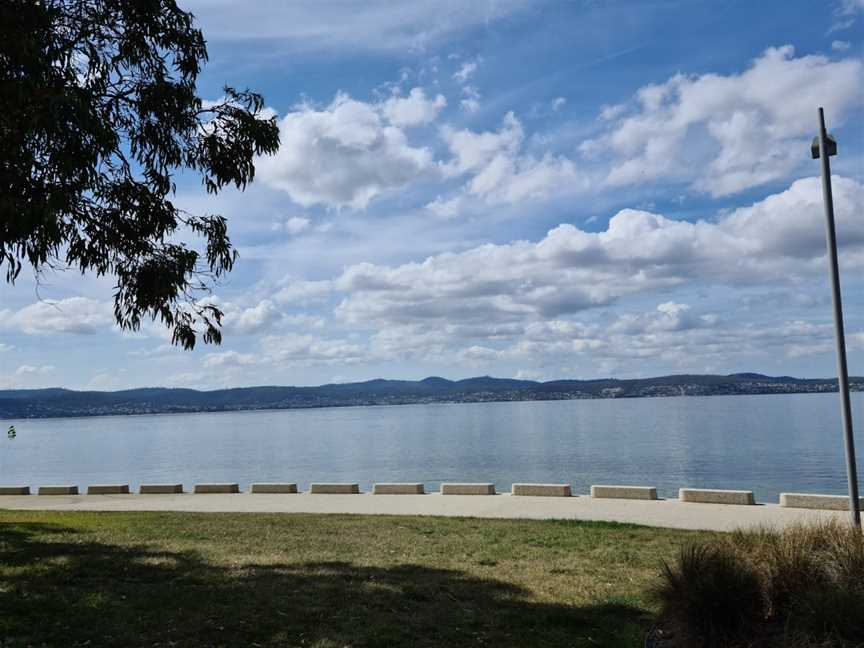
<point>49,403</point>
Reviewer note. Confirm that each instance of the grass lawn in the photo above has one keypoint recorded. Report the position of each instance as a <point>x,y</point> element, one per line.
<point>323,581</point>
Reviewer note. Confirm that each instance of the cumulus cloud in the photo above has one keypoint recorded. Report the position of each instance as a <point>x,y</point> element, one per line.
<point>309,350</point>
<point>840,46</point>
<point>724,134</point>
<point>74,315</point>
<point>571,270</point>
<point>413,110</point>
<point>253,319</point>
<point>294,291</point>
<point>264,316</point>
<point>500,171</point>
<point>343,155</point>
<point>662,337</point>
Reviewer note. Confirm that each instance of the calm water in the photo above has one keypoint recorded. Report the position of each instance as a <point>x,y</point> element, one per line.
<point>767,444</point>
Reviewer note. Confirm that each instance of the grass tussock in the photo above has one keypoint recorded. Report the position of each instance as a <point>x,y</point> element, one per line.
<point>802,588</point>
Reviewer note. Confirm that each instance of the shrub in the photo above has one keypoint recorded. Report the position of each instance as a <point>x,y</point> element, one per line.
<point>711,595</point>
<point>801,587</point>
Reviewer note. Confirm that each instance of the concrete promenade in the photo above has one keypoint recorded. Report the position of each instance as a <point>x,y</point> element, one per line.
<point>659,513</point>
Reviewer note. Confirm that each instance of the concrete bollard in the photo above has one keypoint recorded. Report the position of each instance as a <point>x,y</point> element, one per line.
<point>58,490</point>
<point>160,489</point>
<point>108,489</point>
<point>334,489</point>
<point>715,496</point>
<point>14,490</point>
<point>467,489</point>
<point>624,492</point>
<point>541,490</point>
<point>825,502</point>
<point>216,488</point>
<point>398,489</point>
<point>281,489</point>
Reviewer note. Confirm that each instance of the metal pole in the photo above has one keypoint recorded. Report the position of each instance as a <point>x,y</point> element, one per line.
<point>842,372</point>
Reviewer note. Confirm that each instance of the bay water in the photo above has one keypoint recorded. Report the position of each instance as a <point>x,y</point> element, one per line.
<point>768,444</point>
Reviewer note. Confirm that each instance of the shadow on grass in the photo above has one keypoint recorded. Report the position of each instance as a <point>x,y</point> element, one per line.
<point>58,591</point>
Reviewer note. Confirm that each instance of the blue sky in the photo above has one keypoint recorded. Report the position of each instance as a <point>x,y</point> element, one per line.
<point>533,189</point>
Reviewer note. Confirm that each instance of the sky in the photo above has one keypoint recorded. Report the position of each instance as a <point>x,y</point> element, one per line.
<point>539,190</point>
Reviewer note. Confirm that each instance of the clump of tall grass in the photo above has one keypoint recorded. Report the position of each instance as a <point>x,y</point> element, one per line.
<point>803,587</point>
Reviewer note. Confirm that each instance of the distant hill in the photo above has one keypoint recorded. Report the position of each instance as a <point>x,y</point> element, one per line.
<point>46,403</point>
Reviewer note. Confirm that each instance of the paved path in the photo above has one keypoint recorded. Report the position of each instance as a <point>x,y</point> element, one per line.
<point>659,513</point>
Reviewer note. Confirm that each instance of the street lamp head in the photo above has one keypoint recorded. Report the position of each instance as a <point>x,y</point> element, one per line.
<point>830,143</point>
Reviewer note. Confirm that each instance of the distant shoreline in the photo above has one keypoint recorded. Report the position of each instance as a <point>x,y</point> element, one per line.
<point>60,403</point>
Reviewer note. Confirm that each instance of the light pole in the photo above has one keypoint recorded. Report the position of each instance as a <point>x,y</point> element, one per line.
<point>823,147</point>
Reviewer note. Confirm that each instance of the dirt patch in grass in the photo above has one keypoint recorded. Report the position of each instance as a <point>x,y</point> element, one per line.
<point>324,581</point>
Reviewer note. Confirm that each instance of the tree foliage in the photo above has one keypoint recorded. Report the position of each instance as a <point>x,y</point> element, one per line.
<point>99,113</point>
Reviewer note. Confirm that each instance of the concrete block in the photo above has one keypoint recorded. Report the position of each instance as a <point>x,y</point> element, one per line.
<point>14,490</point>
<point>624,492</point>
<point>58,490</point>
<point>217,488</point>
<point>803,500</point>
<point>108,489</point>
<point>398,489</point>
<point>714,496</point>
<point>160,489</point>
<point>542,490</point>
<point>334,489</point>
<point>467,489</point>
<point>286,489</point>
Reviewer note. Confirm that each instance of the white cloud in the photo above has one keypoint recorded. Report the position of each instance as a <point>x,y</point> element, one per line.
<point>662,338</point>
<point>32,370</point>
<point>265,316</point>
<point>309,350</point>
<point>840,46</point>
<point>75,315</point>
<point>558,103</point>
<point>254,319</point>
<point>294,225</point>
<point>668,316</point>
<point>341,156</point>
<point>530,374</point>
<point>413,110</point>
<point>500,172</point>
<point>445,208</point>
<point>229,359</point>
<point>477,355</point>
<point>723,134</point>
<point>779,239</point>
<point>6,347</point>
<point>294,290</point>
<point>465,72</point>
<point>471,102</point>
<point>376,25</point>
<point>608,113</point>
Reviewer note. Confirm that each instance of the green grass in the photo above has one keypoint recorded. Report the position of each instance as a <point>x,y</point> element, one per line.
<point>324,581</point>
